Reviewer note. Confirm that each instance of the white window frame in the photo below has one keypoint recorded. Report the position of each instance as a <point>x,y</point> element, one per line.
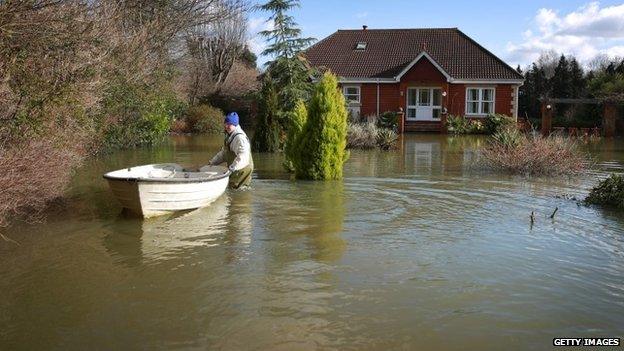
<point>359,93</point>
<point>480,101</point>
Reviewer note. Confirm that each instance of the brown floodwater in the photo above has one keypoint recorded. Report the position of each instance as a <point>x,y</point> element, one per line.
<point>415,248</point>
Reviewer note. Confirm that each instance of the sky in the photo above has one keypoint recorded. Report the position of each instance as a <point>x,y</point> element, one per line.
<point>515,31</point>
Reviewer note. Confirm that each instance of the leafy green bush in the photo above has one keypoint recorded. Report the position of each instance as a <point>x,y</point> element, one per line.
<point>135,115</point>
<point>323,140</point>
<point>489,125</point>
<point>457,124</point>
<point>389,120</point>
<point>609,192</point>
<point>496,122</point>
<point>205,119</point>
<point>508,137</point>
<point>387,139</point>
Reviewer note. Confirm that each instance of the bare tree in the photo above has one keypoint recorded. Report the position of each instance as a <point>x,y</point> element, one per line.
<point>213,48</point>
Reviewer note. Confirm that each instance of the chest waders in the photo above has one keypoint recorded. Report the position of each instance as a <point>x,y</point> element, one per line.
<point>242,177</point>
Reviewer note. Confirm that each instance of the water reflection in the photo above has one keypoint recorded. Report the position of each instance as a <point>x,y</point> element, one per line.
<point>134,240</point>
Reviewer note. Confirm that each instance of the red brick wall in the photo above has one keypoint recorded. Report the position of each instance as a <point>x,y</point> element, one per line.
<point>457,99</point>
<point>424,72</point>
<point>389,97</point>
<point>503,99</point>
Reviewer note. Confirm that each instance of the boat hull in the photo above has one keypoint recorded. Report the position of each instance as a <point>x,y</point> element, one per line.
<point>150,197</point>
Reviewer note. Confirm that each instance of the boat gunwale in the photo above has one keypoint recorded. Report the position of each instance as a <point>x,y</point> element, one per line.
<point>169,180</point>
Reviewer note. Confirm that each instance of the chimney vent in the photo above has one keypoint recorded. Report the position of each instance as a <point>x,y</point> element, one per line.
<point>364,27</point>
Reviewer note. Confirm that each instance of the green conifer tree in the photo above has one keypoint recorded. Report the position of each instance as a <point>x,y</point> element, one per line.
<point>289,70</point>
<point>321,146</point>
<point>267,135</point>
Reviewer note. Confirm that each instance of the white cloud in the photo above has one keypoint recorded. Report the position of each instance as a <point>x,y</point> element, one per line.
<point>361,15</point>
<point>586,32</point>
<point>255,25</point>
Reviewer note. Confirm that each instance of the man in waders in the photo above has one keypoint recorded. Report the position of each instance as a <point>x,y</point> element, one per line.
<point>236,153</point>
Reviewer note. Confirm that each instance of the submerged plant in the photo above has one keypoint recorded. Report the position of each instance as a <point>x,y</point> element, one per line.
<point>369,136</point>
<point>517,153</point>
<point>609,192</point>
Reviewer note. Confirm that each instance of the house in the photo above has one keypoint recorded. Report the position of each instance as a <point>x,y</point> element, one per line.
<point>426,74</point>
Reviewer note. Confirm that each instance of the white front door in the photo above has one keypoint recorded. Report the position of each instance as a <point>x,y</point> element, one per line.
<point>424,104</point>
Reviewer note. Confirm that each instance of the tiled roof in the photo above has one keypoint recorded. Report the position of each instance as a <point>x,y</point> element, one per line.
<point>388,51</point>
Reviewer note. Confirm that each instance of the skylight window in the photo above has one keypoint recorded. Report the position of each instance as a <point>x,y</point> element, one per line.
<point>360,45</point>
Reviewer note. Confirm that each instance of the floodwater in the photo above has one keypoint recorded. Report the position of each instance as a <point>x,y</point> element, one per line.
<point>414,249</point>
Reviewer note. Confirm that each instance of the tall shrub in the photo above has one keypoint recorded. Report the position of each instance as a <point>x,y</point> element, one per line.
<point>267,136</point>
<point>297,118</point>
<point>323,140</point>
<point>288,69</point>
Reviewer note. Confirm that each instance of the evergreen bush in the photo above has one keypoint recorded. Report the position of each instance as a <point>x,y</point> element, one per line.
<point>388,119</point>
<point>609,192</point>
<point>205,119</point>
<point>321,147</point>
<point>267,135</point>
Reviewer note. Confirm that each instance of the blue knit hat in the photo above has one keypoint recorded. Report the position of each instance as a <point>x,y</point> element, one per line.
<point>232,118</point>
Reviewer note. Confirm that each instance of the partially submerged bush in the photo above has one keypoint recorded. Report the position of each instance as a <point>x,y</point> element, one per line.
<point>361,136</point>
<point>517,153</point>
<point>389,120</point>
<point>205,119</point>
<point>609,192</point>
<point>489,125</point>
<point>457,124</point>
<point>370,136</point>
<point>497,122</point>
<point>35,172</point>
<point>509,138</point>
<point>323,140</point>
<point>387,139</point>
<point>135,114</point>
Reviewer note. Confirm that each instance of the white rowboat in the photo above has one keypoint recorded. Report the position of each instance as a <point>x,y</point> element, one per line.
<point>154,190</point>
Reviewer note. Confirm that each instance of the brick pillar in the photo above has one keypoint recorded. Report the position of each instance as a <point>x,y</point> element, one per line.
<point>608,119</point>
<point>401,120</point>
<point>547,113</point>
<point>443,117</point>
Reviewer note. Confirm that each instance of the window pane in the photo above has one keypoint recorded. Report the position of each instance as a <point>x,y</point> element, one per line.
<point>423,97</point>
<point>473,94</point>
<point>488,94</point>
<point>472,107</point>
<point>411,97</point>
<point>436,113</point>
<point>437,97</point>
<point>486,107</point>
<point>352,90</point>
<point>411,112</point>
<point>352,98</point>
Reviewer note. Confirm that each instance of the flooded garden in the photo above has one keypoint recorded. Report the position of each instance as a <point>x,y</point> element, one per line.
<point>414,247</point>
